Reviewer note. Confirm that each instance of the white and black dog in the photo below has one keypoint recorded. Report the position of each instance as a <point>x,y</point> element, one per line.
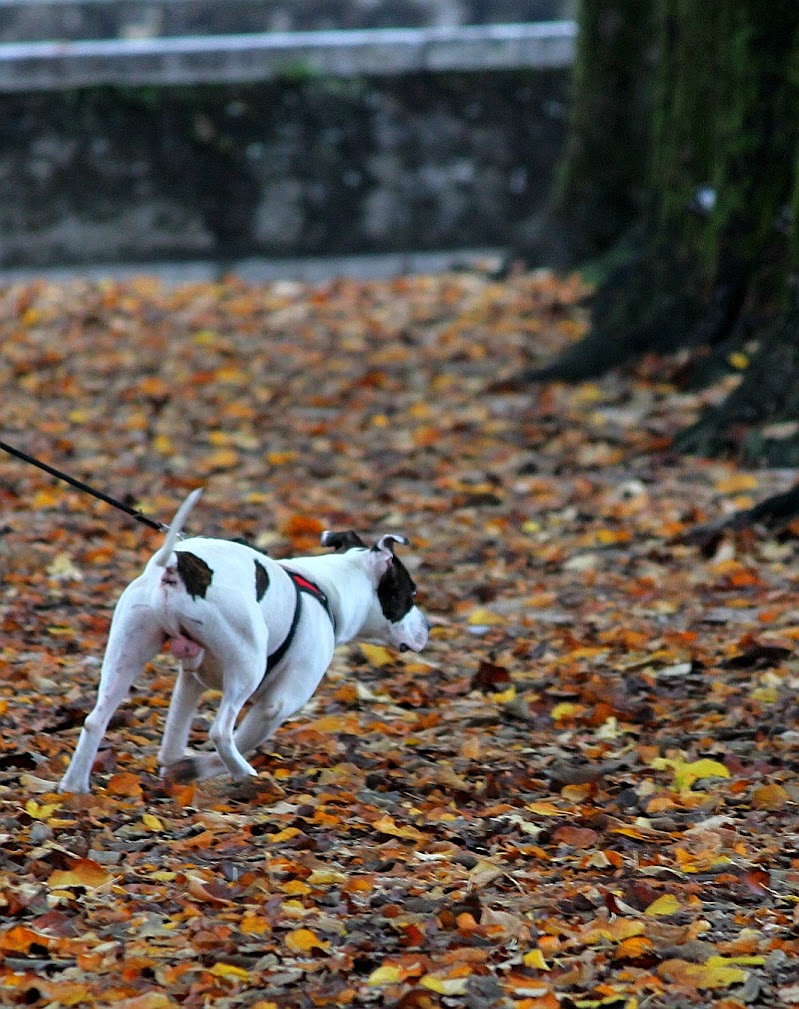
<point>256,629</point>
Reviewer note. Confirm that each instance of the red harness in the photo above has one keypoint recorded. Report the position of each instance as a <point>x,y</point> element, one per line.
<point>302,585</point>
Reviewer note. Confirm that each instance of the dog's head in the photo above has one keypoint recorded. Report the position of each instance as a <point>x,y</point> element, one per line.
<point>394,618</point>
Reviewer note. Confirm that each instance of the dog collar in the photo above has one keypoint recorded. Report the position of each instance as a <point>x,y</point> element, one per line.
<point>302,585</point>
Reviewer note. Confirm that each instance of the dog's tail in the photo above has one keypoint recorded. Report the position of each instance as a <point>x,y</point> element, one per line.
<point>175,527</point>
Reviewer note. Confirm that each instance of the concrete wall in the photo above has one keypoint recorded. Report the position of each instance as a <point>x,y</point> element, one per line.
<point>306,167</point>
<point>311,144</point>
<point>47,20</point>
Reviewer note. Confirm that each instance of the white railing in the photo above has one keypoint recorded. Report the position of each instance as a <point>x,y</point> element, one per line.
<point>237,59</point>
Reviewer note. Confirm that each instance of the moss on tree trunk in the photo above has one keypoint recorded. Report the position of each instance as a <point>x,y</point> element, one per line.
<point>599,188</point>
<point>713,255</point>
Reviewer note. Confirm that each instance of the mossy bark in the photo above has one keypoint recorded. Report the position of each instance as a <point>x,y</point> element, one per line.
<point>598,191</point>
<point>711,252</point>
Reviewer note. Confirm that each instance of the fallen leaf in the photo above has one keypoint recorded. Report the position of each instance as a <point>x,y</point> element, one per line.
<point>665,905</point>
<point>83,872</point>
<point>303,940</point>
<point>717,972</point>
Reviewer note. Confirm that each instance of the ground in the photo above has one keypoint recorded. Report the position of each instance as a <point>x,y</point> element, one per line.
<point>583,793</point>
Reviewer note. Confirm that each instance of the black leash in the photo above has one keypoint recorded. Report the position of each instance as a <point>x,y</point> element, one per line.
<point>133,512</point>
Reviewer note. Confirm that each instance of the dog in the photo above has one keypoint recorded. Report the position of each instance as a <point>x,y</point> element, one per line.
<point>254,628</point>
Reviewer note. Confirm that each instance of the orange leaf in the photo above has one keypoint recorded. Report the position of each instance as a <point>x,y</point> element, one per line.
<point>386,825</point>
<point>84,872</point>
<point>771,796</point>
<point>124,784</point>
<point>633,948</point>
<point>303,940</point>
<point>20,938</point>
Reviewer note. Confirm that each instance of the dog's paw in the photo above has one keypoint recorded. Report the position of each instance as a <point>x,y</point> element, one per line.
<point>182,771</point>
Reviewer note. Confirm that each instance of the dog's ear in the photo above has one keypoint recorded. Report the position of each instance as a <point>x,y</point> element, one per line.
<point>382,553</point>
<point>386,543</point>
<point>342,541</point>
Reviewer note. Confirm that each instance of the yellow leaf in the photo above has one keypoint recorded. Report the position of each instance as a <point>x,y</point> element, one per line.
<point>326,877</point>
<point>765,695</point>
<point>445,985</point>
<point>253,924</point>
<point>735,483</point>
<point>40,811</point>
<point>303,940</point>
<point>504,696</point>
<point>485,618</point>
<point>221,458</point>
<point>44,499</point>
<point>62,569</point>
<point>615,931</point>
<point>565,710</point>
<point>484,873</point>
<point>232,376</point>
<point>280,458</point>
<point>544,809</point>
<point>84,872</point>
<point>284,835</point>
<point>151,822</point>
<point>717,972</point>
<point>387,974</point>
<point>206,338</point>
<point>162,444</point>
<point>377,655</point>
<point>386,825</point>
<point>61,632</point>
<point>363,693</point>
<point>535,958</point>
<point>739,360</point>
<point>686,774</point>
<point>295,887</point>
<point>336,724</point>
<point>150,1000</point>
<point>229,970</point>
<point>667,904</point>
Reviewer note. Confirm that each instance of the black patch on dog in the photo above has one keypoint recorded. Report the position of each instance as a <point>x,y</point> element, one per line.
<point>194,573</point>
<point>395,591</point>
<point>261,580</point>
<point>343,541</point>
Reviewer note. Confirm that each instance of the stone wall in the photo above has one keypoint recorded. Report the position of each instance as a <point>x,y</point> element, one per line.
<point>33,20</point>
<point>309,166</point>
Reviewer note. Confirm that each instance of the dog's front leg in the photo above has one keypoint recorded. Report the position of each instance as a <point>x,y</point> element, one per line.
<point>284,693</point>
<point>185,698</point>
<point>133,640</point>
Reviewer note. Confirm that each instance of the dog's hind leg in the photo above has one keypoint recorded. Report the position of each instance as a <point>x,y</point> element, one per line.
<point>185,697</point>
<point>134,639</point>
<point>241,679</point>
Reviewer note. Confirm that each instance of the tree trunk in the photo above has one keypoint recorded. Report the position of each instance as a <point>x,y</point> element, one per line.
<point>712,260</point>
<point>599,188</point>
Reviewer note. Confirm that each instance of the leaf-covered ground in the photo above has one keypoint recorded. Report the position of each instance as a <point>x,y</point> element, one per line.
<point>583,793</point>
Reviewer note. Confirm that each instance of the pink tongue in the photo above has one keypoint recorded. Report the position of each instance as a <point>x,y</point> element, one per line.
<point>184,648</point>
